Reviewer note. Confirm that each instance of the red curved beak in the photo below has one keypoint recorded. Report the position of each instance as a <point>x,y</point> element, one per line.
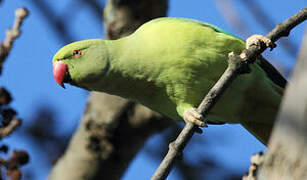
<point>59,71</point>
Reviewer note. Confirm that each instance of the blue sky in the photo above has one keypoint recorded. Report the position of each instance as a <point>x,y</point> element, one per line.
<point>27,74</point>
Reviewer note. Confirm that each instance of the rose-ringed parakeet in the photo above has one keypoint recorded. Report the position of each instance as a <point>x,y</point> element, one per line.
<point>169,65</point>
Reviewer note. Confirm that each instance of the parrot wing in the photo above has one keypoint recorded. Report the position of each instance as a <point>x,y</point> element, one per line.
<point>261,130</point>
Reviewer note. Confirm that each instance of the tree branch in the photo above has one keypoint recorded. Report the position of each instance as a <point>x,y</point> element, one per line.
<point>267,22</point>
<point>236,65</point>
<point>7,130</point>
<point>256,163</point>
<point>9,123</point>
<point>59,25</point>
<point>12,34</point>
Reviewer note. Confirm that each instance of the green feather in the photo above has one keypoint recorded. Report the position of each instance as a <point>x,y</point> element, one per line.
<point>169,65</point>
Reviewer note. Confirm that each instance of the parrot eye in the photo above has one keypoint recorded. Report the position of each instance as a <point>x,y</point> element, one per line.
<point>77,53</point>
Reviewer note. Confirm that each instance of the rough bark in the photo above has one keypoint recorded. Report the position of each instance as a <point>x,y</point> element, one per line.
<point>123,17</point>
<point>113,129</point>
<point>286,156</point>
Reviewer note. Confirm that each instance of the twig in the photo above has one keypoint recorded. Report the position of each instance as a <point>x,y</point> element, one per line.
<point>256,163</point>
<point>266,21</point>
<point>96,8</point>
<point>5,97</point>
<point>236,66</point>
<point>17,159</point>
<point>58,25</point>
<point>233,17</point>
<point>12,34</point>
<point>8,122</point>
<point>8,129</point>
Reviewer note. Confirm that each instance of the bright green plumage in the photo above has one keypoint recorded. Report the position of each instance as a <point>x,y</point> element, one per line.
<point>169,64</point>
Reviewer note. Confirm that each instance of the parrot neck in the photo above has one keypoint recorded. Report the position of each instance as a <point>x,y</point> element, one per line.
<point>126,76</point>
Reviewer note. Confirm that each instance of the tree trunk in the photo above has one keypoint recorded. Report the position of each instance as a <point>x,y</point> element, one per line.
<point>286,156</point>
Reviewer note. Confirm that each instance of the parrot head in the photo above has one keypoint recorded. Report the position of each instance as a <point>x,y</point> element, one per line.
<point>80,63</point>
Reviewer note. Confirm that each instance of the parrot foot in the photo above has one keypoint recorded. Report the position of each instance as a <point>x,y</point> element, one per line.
<point>191,115</point>
<point>258,39</point>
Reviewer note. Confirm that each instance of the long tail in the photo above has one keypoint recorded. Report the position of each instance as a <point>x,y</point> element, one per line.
<point>261,131</point>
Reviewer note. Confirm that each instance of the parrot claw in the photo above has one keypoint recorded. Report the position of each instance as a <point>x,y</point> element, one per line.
<point>257,40</point>
<point>191,115</point>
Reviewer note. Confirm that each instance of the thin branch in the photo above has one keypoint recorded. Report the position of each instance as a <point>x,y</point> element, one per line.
<point>233,17</point>
<point>256,163</point>
<point>267,22</point>
<point>96,8</point>
<point>236,66</point>
<point>5,97</point>
<point>8,129</point>
<point>16,160</point>
<point>12,34</point>
<point>58,25</point>
<point>8,122</point>
<point>237,21</point>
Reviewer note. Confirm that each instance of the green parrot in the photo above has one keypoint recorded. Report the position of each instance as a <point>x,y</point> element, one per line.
<point>169,65</point>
